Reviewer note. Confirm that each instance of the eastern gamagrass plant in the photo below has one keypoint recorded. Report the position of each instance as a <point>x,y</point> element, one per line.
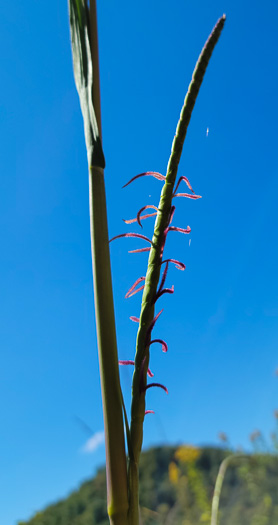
<point>122,475</point>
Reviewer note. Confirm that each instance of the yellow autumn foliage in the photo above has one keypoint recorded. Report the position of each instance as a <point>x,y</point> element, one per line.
<point>173,473</point>
<point>187,454</point>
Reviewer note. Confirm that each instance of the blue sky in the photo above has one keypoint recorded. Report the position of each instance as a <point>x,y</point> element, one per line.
<point>221,324</point>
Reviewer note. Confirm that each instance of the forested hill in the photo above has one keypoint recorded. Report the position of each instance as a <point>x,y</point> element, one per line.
<point>176,489</point>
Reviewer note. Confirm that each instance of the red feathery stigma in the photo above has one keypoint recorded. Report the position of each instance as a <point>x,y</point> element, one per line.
<point>150,328</point>
<point>172,211</point>
<point>129,362</point>
<point>128,295</point>
<point>134,319</point>
<point>154,174</point>
<point>138,235</point>
<point>163,278</point>
<point>188,195</point>
<point>165,290</point>
<point>132,290</point>
<point>179,265</point>
<point>181,230</point>
<point>164,345</point>
<point>149,412</point>
<point>160,290</point>
<point>130,221</point>
<point>163,242</point>
<point>186,182</point>
<point>140,250</point>
<point>157,384</point>
<point>139,218</point>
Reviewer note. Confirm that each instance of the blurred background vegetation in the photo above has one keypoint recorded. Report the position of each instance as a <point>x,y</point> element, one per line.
<point>176,487</point>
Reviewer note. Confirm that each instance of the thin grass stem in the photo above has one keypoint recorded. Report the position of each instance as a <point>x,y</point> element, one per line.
<point>154,267</point>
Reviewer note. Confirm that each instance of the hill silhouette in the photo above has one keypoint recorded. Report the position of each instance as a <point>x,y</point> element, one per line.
<point>176,488</point>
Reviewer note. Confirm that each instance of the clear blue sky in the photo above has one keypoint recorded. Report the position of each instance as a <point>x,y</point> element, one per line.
<point>221,324</point>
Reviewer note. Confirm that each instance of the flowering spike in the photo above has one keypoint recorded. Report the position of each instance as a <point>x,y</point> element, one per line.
<point>134,319</point>
<point>149,412</point>
<point>138,235</point>
<point>188,195</point>
<point>179,265</point>
<point>154,174</point>
<point>156,257</point>
<point>181,230</point>
<point>131,291</point>
<point>130,362</point>
<point>140,250</point>
<point>157,384</point>
<point>164,345</point>
<point>186,182</point>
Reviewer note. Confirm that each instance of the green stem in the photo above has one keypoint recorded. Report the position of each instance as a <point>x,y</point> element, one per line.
<point>218,485</point>
<point>108,357</point>
<point>154,266</point>
<point>83,26</point>
<point>116,470</point>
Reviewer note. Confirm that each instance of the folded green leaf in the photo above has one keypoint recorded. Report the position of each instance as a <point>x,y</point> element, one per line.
<point>83,75</point>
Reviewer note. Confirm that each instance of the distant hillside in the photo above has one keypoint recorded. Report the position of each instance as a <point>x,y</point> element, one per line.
<point>176,489</point>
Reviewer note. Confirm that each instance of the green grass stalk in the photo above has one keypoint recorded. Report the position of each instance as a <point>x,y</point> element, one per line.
<point>154,267</point>
<point>83,24</point>
<point>219,483</point>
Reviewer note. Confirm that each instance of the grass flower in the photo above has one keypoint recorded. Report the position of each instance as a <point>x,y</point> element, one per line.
<point>122,480</point>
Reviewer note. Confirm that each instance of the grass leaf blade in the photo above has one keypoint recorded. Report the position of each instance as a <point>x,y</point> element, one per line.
<point>83,75</point>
